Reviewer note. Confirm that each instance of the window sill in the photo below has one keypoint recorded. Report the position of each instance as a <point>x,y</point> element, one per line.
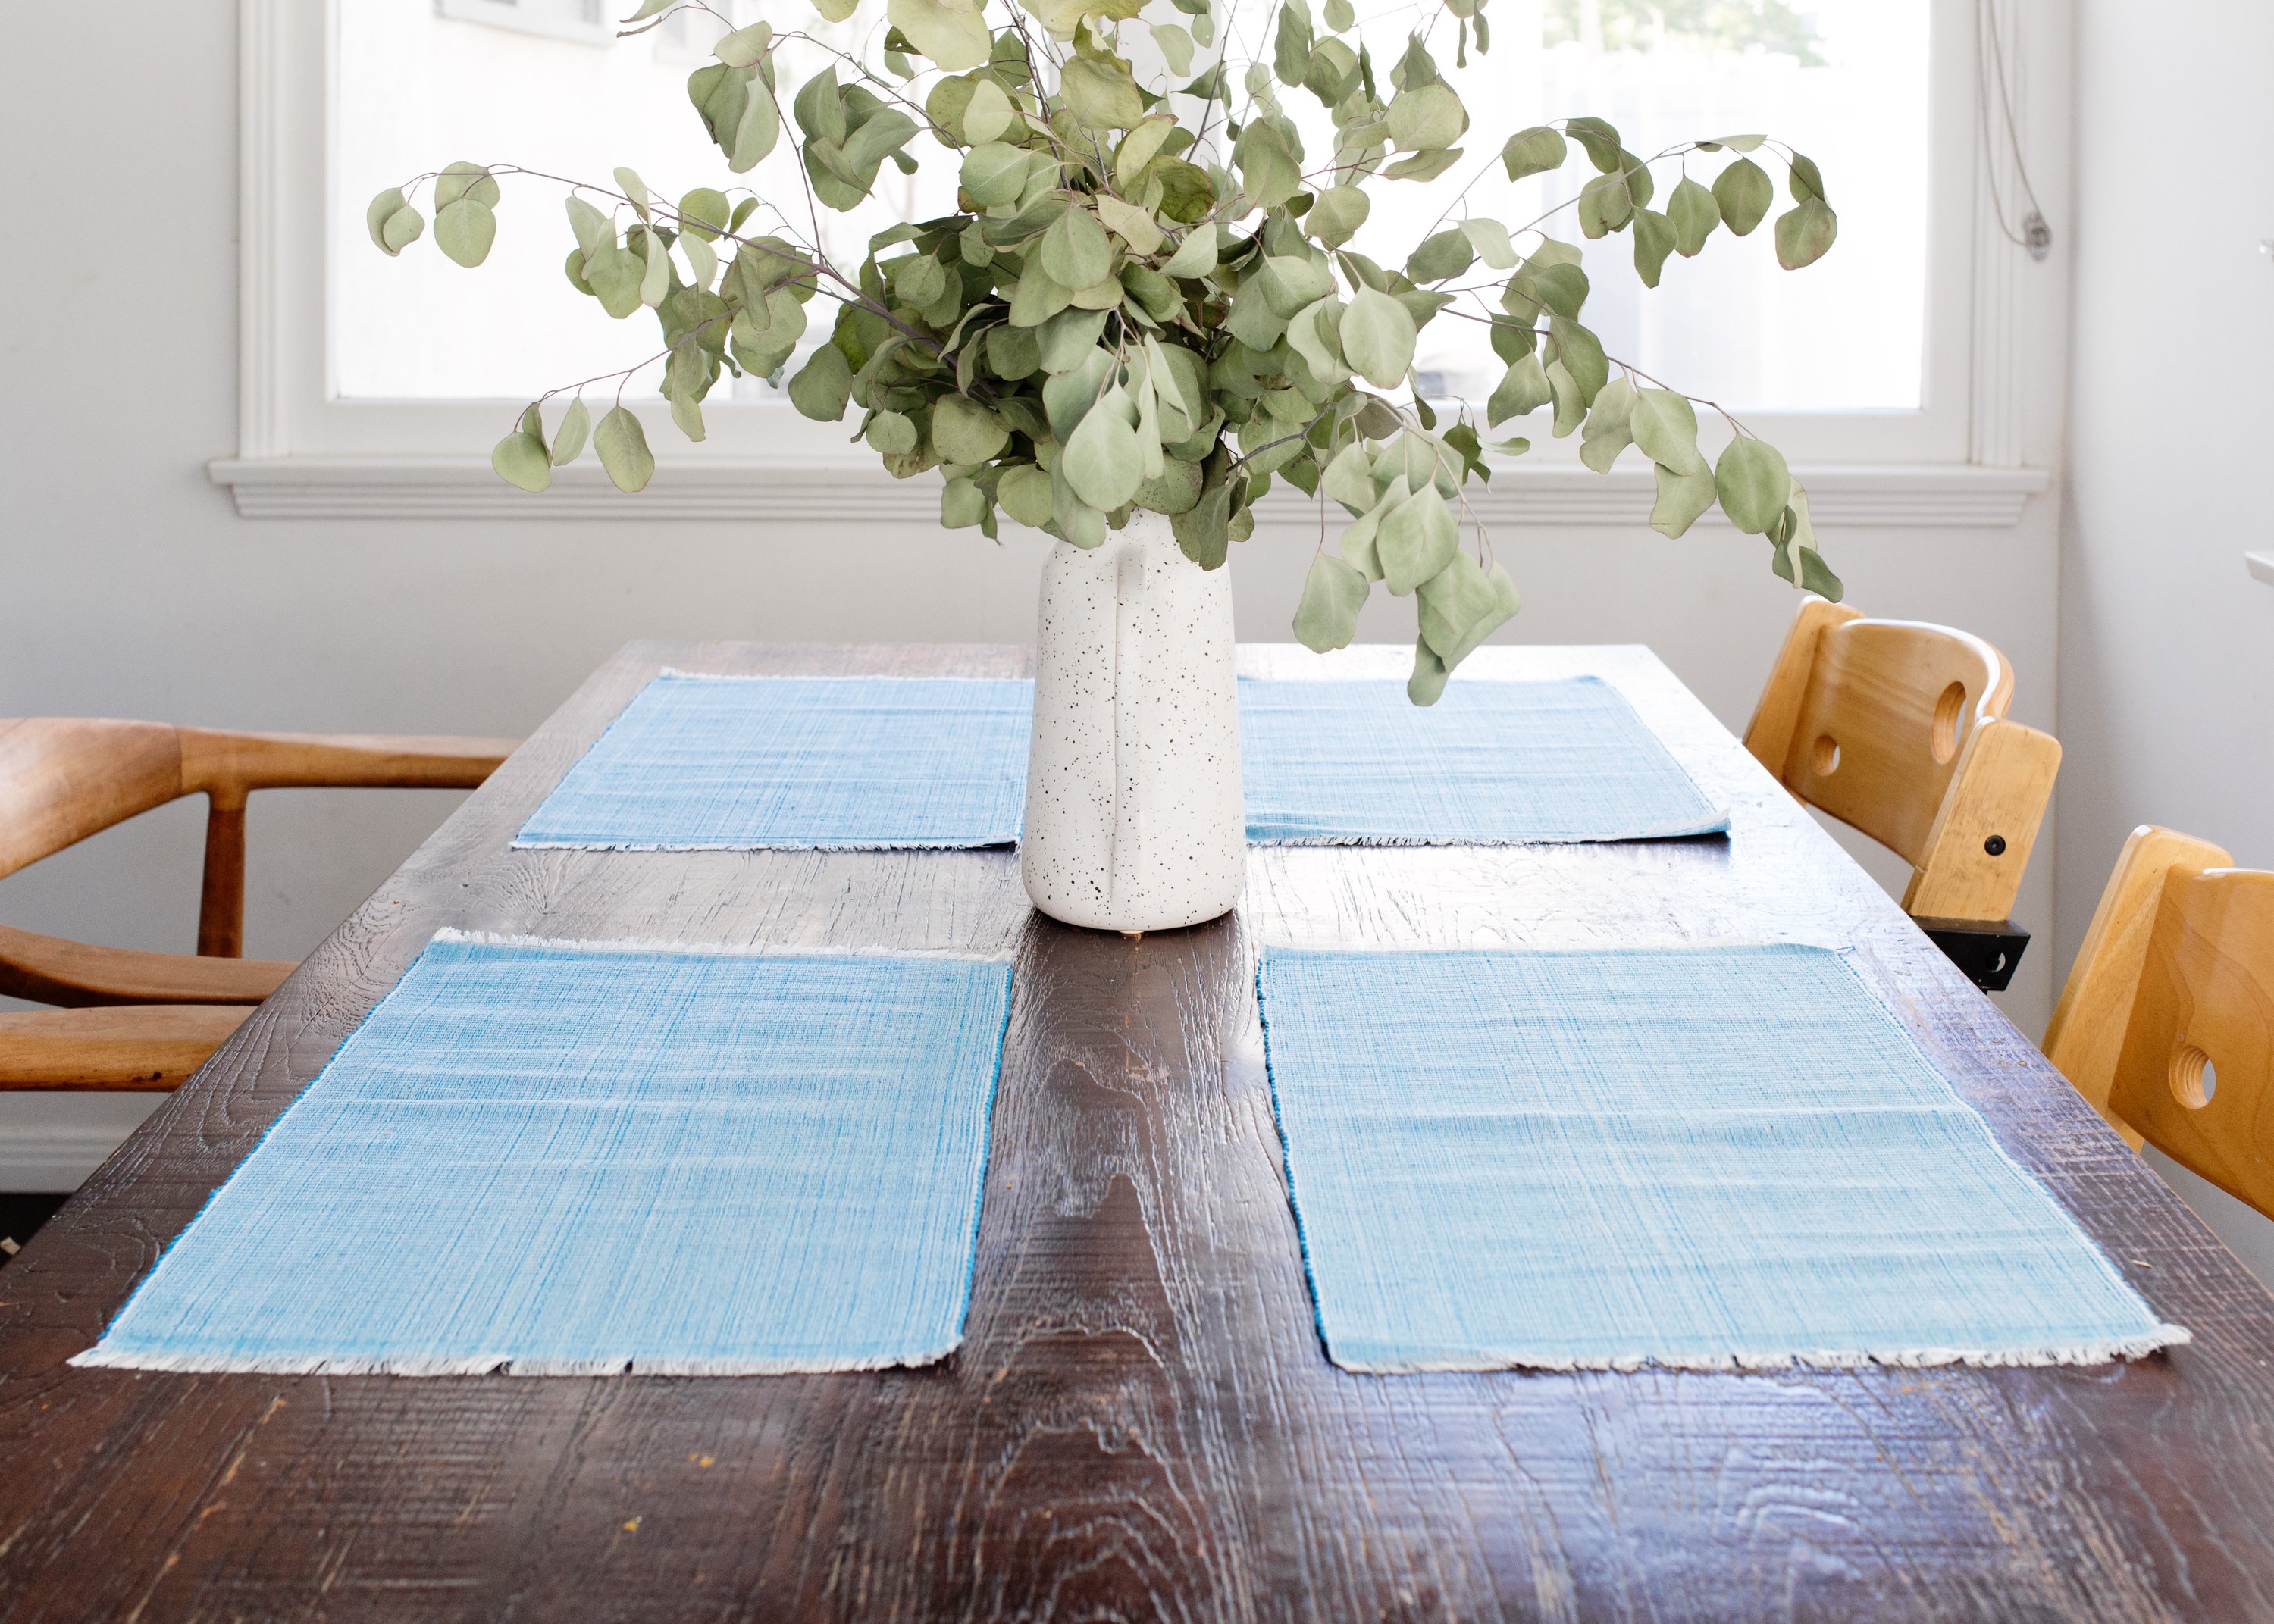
<point>853,490</point>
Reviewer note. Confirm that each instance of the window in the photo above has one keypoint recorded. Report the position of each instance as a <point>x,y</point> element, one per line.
<point>1867,357</point>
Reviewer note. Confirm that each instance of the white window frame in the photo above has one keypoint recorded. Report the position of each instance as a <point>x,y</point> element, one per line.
<point>1958,461</point>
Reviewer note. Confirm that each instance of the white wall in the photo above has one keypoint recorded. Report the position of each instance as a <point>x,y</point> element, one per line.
<point>129,586</point>
<point>2167,645</point>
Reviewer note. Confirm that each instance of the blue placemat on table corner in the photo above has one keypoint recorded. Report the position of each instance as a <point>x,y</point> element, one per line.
<point>1491,764</point>
<point>745,763</point>
<point>557,1158</point>
<point>1704,1158</point>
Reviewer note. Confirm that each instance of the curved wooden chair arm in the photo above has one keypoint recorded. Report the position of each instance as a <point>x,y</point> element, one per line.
<point>136,1048</point>
<point>226,765</point>
<point>78,975</point>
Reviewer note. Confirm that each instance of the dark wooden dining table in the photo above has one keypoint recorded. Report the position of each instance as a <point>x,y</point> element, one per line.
<point>1140,1423</point>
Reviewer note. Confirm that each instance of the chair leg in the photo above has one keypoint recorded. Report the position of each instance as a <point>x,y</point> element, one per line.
<point>221,908</point>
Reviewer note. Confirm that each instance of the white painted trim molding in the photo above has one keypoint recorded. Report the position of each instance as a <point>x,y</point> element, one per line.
<point>853,490</point>
<point>2262,566</point>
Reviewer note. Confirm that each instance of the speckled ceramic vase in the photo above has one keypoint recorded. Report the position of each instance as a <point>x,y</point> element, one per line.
<point>1134,814</point>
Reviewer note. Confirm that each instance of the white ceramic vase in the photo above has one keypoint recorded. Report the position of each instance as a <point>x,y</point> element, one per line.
<point>1134,819</point>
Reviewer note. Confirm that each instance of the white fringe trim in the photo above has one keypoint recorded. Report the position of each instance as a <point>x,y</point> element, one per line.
<point>520,845</point>
<point>722,950</point>
<point>826,676</point>
<point>1630,838</point>
<point>2102,1351</point>
<point>100,1357</point>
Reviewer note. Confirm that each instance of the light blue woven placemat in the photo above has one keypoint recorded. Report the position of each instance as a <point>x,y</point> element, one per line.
<point>559,1159</point>
<point>745,763</point>
<point>1490,764</point>
<point>1710,1158</point>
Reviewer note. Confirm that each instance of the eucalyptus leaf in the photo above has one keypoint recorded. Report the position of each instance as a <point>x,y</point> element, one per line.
<point>401,229</point>
<point>1694,214</point>
<point>1609,428</point>
<point>1337,213</point>
<point>1333,593</point>
<point>635,190</point>
<point>744,46</point>
<point>1682,498</point>
<point>1195,256</point>
<point>1428,118</point>
<point>1744,191</point>
<point>954,40</point>
<point>1025,494</point>
<point>464,180</point>
<point>466,230</point>
<point>1378,336</point>
<point>989,113</point>
<point>1416,539</point>
<point>1100,97</point>
<point>622,445</point>
<point>1523,389</point>
<point>655,276</point>
<point>822,385</point>
<point>1581,354</point>
<point>521,459</point>
<point>575,429</point>
<point>1074,252</point>
<point>1175,46</point>
<point>1666,427</point>
<point>590,226</point>
<point>1803,234</point>
<point>1571,401</point>
<point>1176,489</point>
<point>1753,483</point>
<point>1446,254</point>
<point>1427,685</point>
<point>755,133</point>
<point>893,433</point>
<point>963,504</point>
<point>1655,238</point>
<point>1102,462</point>
<point>1489,238</point>
<point>1535,151</point>
<point>1462,604</point>
<point>964,430</point>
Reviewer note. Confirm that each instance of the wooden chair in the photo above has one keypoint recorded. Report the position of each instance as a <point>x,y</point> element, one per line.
<point>2166,1024</point>
<point>1899,729</point>
<point>145,1021</point>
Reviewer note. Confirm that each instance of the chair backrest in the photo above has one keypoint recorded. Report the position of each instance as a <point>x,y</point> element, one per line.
<point>63,779</point>
<point>2167,1022</point>
<point>1898,729</point>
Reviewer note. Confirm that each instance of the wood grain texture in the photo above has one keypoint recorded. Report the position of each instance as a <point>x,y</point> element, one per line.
<point>1897,729</point>
<point>2085,1038</point>
<point>1141,1423</point>
<point>132,1049</point>
<point>63,778</point>
<point>2197,1075</point>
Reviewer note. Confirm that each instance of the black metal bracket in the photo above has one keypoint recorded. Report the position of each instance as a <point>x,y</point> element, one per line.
<point>1987,950</point>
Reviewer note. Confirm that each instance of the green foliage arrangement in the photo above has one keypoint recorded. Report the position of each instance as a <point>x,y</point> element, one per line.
<point>1146,298</point>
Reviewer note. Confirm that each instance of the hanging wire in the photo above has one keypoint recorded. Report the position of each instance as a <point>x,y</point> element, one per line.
<point>1990,62</point>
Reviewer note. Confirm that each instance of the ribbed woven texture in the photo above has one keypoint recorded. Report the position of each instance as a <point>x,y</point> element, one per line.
<point>1713,1158</point>
<point>1490,764</point>
<point>567,1160</point>
<point>743,764</point>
